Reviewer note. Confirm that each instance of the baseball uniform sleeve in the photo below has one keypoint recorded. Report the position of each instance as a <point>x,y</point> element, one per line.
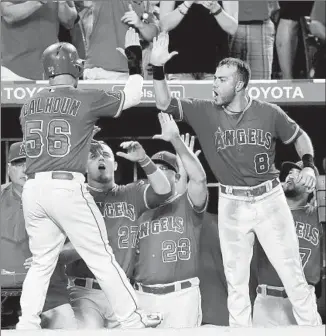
<point>195,208</point>
<point>189,110</point>
<point>107,103</point>
<point>146,197</point>
<point>286,129</point>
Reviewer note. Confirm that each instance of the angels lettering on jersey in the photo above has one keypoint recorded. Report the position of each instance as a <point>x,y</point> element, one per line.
<point>241,136</point>
<point>117,210</point>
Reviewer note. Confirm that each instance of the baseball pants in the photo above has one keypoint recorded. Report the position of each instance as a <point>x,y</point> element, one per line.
<point>61,317</point>
<point>272,311</point>
<point>180,309</point>
<point>268,217</point>
<point>91,307</point>
<point>53,210</point>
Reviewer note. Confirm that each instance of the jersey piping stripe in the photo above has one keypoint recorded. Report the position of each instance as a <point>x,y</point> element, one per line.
<point>293,136</point>
<point>180,110</point>
<point>193,206</point>
<point>109,253</point>
<point>123,98</point>
<point>145,198</point>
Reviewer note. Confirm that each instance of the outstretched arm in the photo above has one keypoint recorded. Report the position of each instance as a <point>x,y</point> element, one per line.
<point>146,30</point>
<point>67,13</point>
<point>170,17</point>
<point>134,86</point>
<point>160,55</point>
<point>197,186</point>
<point>14,12</point>
<point>156,178</point>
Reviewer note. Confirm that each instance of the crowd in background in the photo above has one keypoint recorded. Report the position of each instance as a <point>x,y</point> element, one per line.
<point>279,39</point>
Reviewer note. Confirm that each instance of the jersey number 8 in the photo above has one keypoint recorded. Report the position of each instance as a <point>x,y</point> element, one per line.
<point>261,163</point>
<point>56,136</point>
<point>172,251</point>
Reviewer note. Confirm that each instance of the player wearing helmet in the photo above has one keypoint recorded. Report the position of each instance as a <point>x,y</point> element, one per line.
<point>57,126</point>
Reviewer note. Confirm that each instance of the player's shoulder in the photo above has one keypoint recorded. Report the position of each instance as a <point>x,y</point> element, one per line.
<point>137,185</point>
<point>264,105</point>
<point>198,101</point>
<point>5,188</point>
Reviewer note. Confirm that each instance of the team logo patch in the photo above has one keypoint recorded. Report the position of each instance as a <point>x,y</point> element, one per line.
<point>22,151</point>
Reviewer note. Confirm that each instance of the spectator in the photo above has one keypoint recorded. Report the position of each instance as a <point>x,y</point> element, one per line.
<point>83,28</point>
<point>198,31</point>
<point>317,28</point>
<point>152,8</point>
<point>254,40</point>
<point>111,20</point>
<point>287,34</point>
<point>15,253</point>
<point>29,27</point>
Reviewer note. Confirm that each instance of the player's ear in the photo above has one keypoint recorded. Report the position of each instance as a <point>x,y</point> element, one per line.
<point>239,86</point>
<point>115,165</point>
<point>177,177</point>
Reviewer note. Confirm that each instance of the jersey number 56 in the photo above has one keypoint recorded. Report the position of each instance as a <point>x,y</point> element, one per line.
<point>55,136</point>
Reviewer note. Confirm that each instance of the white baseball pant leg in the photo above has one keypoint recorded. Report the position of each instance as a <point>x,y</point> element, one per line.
<point>91,308</point>
<point>67,206</point>
<point>271,311</point>
<point>277,235</point>
<point>180,309</point>
<point>61,317</point>
<point>236,217</point>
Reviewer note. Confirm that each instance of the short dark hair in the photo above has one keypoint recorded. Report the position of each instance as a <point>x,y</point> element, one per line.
<point>243,69</point>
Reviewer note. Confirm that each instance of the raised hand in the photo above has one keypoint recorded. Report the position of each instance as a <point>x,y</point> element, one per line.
<point>131,39</point>
<point>307,178</point>
<point>96,129</point>
<point>135,151</point>
<point>160,51</point>
<point>169,127</point>
<point>190,143</point>
<point>131,18</point>
<point>213,6</point>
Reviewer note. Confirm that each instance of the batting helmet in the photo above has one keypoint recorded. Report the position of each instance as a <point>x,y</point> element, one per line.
<point>61,59</point>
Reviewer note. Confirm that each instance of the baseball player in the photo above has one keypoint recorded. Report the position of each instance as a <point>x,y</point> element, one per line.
<point>121,206</point>
<point>57,126</point>
<point>238,136</point>
<point>166,271</point>
<point>15,253</point>
<point>272,306</point>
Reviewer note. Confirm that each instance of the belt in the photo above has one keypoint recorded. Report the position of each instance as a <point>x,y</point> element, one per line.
<point>162,290</point>
<point>55,176</point>
<point>271,291</point>
<point>84,283</point>
<point>254,191</point>
<point>252,22</point>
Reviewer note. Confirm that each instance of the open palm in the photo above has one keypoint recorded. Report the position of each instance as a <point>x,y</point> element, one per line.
<point>160,51</point>
<point>169,127</point>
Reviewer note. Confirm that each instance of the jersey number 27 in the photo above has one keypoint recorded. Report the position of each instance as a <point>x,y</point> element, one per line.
<point>55,137</point>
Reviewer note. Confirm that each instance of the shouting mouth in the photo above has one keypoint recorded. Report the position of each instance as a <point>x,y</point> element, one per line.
<point>101,166</point>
